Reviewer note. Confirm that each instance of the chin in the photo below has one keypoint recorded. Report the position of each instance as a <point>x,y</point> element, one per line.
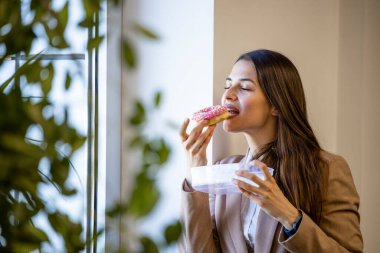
<point>227,127</point>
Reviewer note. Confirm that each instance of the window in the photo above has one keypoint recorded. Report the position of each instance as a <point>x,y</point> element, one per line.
<point>81,102</point>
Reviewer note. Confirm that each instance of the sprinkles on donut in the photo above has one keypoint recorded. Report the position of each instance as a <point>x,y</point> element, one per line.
<point>214,114</point>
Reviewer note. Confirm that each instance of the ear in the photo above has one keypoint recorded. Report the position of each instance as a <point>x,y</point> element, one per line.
<point>274,111</point>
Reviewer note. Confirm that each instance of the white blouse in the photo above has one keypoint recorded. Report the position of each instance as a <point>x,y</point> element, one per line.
<point>249,213</point>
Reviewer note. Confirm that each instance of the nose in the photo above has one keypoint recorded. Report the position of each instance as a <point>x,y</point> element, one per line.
<point>229,94</point>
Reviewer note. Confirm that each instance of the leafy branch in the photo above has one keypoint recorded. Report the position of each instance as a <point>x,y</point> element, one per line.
<point>153,152</point>
<point>21,156</point>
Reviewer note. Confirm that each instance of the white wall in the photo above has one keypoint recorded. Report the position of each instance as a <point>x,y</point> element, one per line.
<point>305,31</point>
<point>369,120</point>
<point>336,47</point>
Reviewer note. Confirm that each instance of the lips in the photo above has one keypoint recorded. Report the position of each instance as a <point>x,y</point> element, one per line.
<point>232,110</point>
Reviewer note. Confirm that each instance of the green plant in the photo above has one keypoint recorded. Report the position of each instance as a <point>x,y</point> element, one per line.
<point>153,153</point>
<point>20,175</point>
<point>21,156</point>
<point>27,163</point>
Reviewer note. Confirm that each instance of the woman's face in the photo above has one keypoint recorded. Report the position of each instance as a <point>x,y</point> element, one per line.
<point>248,106</point>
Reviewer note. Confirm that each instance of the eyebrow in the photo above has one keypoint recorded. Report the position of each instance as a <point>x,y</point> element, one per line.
<point>241,79</point>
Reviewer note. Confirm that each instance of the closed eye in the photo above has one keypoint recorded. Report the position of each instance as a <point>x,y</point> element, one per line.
<point>228,84</point>
<point>244,84</point>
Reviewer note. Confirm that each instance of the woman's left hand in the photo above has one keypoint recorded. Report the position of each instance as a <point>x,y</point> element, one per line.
<point>267,195</point>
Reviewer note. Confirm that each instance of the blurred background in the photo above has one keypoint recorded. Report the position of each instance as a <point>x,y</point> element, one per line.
<point>138,68</point>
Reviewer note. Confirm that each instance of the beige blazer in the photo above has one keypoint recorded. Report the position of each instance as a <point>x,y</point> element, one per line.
<point>338,230</point>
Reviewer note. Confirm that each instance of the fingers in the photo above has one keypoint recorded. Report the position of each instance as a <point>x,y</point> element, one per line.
<point>248,187</point>
<point>264,186</point>
<point>182,132</point>
<point>195,134</point>
<point>251,195</point>
<point>197,140</point>
<point>264,168</point>
<point>251,177</point>
<point>203,140</point>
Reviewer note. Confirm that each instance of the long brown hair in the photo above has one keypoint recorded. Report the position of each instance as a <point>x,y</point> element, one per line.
<point>295,152</point>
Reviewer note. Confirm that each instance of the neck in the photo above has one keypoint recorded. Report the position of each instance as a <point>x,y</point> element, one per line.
<point>258,138</point>
<point>255,144</point>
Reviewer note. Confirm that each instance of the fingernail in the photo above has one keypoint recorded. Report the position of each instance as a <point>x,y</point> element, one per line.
<point>234,181</point>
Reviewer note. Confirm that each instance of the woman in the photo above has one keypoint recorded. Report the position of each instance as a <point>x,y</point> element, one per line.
<point>309,205</point>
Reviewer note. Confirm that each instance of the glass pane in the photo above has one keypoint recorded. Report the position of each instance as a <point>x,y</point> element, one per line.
<point>71,101</point>
<point>74,100</point>
<point>67,100</point>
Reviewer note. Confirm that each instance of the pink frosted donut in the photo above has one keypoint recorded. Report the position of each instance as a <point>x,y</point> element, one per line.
<point>214,114</point>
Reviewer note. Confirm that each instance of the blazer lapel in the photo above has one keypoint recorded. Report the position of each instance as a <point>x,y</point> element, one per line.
<point>228,219</point>
<point>233,215</point>
<point>267,227</point>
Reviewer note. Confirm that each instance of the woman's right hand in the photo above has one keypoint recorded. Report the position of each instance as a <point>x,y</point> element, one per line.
<point>195,144</point>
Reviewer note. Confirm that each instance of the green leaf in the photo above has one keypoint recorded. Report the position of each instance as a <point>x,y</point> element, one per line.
<point>16,143</point>
<point>69,192</point>
<point>33,73</point>
<point>94,42</point>
<point>138,116</point>
<point>19,39</point>
<point>173,232</point>
<point>69,230</point>
<point>163,152</point>
<point>144,196</point>
<point>117,209</point>
<point>34,234</point>
<point>146,32</point>
<point>136,141</point>
<point>60,171</point>
<point>87,23</point>
<point>24,247</point>
<point>56,34</point>
<point>68,81</point>
<point>34,112</point>
<point>77,141</point>
<point>148,245</point>
<point>63,15</point>
<point>157,99</point>
<point>91,7</point>
<point>129,55</point>
<point>20,212</point>
<point>27,183</point>
<point>47,75</point>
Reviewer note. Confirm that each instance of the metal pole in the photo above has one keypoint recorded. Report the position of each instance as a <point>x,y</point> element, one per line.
<point>96,134</point>
<point>89,214</point>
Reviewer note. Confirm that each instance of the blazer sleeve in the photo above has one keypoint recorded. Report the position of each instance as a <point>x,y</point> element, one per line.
<point>197,224</point>
<point>339,229</point>
<point>200,233</point>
